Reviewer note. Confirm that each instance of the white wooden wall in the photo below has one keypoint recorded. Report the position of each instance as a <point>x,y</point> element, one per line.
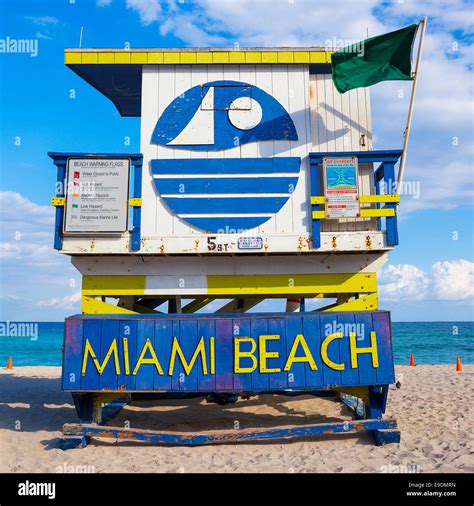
<point>342,122</point>
<point>289,84</point>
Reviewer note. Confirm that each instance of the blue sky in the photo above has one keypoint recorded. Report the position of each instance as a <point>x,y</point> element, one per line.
<point>45,107</point>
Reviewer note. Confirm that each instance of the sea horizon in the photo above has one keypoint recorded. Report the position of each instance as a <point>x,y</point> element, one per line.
<point>435,342</point>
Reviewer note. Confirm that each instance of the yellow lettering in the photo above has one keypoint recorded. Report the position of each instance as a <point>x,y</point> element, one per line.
<point>176,350</point>
<point>292,358</point>
<point>264,354</point>
<point>372,349</point>
<point>125,355</point>
<point>324,352</point>
<point>152,360</point>
<point>244,354</point>
<point>213,355</point>
<point>100,367</point>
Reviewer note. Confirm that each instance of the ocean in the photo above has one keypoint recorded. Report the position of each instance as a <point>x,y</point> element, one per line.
<point>430,342</point>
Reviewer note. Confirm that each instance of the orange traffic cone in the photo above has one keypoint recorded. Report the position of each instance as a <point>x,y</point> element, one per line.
<point>10,363</point>
<point>412,359</point>
<point>458,365</point>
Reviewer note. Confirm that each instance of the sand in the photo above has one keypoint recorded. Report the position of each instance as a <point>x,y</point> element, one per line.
<point>434,408</point>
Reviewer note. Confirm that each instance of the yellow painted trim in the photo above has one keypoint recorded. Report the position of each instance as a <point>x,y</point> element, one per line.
<point>134,56</point>
<point>113,285</point>
<point>196,304</point>
<point>317,57</point>
<point>58,201</point>
<point>370,199</point>
<point>88,58</point>
<point>285,56</point>
<point>138,58</point>
<point>269,57</point>
<point>319,215</point>
<point>253,57</point>
<point>301,56</point>
<point>236,57</point>
<point>318,200</point>
<point>368,302</point>
<point>220,57</point>
<point>135,202</point>
<point>94,306</point>
<point>376,213</point>
<point>171,58</point>
<point>154,58</point>
<point>204,57</point>
<point>301,284</point>
<point>123,58</point>
<point>72,58</point>
<point>106,58</point>
<point>188,58</point>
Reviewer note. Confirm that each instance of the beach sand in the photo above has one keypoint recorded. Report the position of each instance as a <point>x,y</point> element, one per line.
<point>434,408</point>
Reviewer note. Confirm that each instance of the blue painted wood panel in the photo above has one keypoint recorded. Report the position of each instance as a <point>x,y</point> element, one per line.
<point>188,186</point>
<point>73,348</point>
<point>217,166</point>
<point>214,205</point>
<point>313,369</point>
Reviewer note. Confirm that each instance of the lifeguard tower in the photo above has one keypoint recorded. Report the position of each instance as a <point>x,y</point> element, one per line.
<point>255,180</point>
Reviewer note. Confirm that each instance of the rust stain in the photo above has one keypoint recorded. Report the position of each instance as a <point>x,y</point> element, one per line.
<point>334,241</point>
<point>368,242</point>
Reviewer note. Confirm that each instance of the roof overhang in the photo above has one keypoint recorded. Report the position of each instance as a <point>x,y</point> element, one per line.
<point>117,73</point>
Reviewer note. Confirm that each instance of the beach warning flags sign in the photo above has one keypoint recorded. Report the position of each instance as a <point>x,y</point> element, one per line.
<point>386,57</point>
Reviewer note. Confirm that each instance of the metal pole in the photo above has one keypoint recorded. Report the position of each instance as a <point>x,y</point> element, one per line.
<point>406,134</point>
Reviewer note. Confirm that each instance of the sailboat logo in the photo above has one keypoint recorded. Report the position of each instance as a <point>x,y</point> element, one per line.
<point>224,194</point>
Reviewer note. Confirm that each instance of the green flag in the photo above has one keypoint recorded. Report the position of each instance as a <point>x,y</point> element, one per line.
<point>383,58</point>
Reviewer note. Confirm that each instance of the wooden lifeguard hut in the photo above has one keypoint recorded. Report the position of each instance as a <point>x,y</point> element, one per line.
<point>255,180</point>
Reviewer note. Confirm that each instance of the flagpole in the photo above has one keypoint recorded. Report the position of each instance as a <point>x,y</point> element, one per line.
<point>406,134</point>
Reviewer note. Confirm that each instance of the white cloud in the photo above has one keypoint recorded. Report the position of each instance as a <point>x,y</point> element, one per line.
<point>43,20</point>
<point>103,3</point>
<point>453,280</point>
<point>148,10</point>
<point>447,280</point>
<point>69,302</point>
<point>30,269</point>
<point>442,130</point>
<point>403,281</point>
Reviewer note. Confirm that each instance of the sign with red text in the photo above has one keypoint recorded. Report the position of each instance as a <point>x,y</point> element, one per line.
<point>341,187</point>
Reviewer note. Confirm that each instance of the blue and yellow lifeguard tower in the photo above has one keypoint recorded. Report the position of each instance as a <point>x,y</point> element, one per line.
<point>255,180</point>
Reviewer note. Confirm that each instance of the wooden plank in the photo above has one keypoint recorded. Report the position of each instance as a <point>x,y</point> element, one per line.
<point>382,328</point>
<point>246,435</point>
<point>145,372</point>
<point>92,333</point>
<point>276,326</point>
<point>188,340</point>
<point>366,372</point>
<point>296,374</point>
<point>312,334</point>
<point>109,337</point>
<point>242,380</point>
<point>346,322</point>
<point>259,327</point>
<point>207,330</point>
<point>128,331</point>
<point>73,345</point>
<point>377,213</point>
<point>329,326</point>
<point>163,343</point>
<point>380,199</point>
<point>224,355</point>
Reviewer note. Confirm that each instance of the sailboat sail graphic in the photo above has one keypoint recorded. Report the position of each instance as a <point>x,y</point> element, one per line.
<point>224,194</point>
